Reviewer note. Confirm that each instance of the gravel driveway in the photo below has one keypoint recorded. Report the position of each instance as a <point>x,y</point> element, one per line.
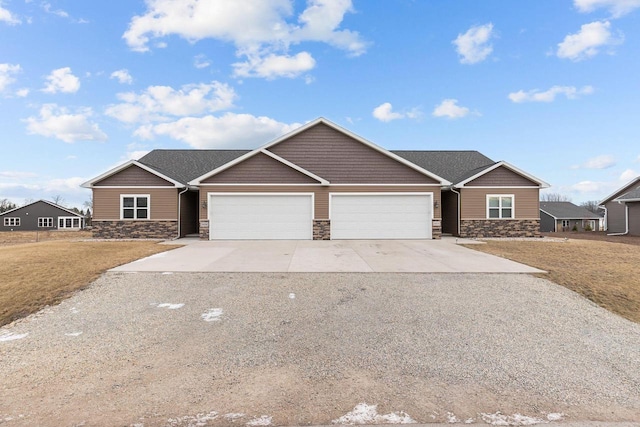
<point>153,349</point>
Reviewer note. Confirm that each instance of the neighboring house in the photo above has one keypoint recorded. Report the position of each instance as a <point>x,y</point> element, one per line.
<point>565,216</point>
<point>318,182</point>
<point>41,215</point>
<point>622,209</point>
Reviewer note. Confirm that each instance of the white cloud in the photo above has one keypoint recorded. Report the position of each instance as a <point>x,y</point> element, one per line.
<point>535,95</point>
<point>58,12</point>
<point>22,93</point>
<point>7,71</point>
<point>17,175</point>
<point>449,108</point>
<point>261,30</point>
<point>384,112</point>
<point>273,66</point>
<point>588,41</point>
<point>600,162</point>
<point>158,103</point>
<point>628,175</point>
<point>617,8</point>
<point>474,46</point>
<point>123,76</point>
<point>58,122</point>
<point>62,80</point>
<point>201,61</point>
<point>227,131</point>
<point>8,17</point>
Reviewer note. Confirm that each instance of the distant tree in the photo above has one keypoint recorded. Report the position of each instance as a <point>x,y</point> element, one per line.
<point>28,201</point>
<point>88,203</point>
<point>58,200</point>
<point>554,197</point>
<point>591,205</point>
<point>87,217</point>
<point>6,205</point>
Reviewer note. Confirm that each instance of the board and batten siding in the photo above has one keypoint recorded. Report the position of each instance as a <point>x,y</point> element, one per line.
<point>616,217</point>
<point>106,203</point>
<point>341,159</point>
<point>501,177</point>
<point>132,176</point>
<point>260,168</point>
<point>474,202</point>
<point>321,194</point>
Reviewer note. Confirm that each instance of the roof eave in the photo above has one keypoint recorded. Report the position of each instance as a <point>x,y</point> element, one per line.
<point>541,184</point>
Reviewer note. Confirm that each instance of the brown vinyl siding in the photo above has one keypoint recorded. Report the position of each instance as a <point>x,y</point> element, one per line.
<point>321,194</point>
<point>260,169</point>
<point>474,202</point>
<point>501,177</point>
<point>106,203</point>
<point>133,176</point>
<point>340,159</point>
<point>634,218</point>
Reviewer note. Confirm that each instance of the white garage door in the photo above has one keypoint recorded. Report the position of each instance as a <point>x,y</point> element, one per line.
<point>381,216</point>
<point>260,216</point>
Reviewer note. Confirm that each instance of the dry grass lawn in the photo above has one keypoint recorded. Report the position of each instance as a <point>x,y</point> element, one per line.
<point>604,272</point>
<point>15,237</point>
<point>34,275</point>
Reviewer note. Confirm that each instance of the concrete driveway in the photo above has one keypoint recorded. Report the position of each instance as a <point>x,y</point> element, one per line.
<point>384,256</point>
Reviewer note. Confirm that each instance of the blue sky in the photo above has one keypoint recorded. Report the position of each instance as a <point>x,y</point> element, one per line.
<point>551,86</point>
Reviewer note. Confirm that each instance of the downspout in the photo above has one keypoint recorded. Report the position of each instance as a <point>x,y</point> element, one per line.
<point>626,222</point>
<point>606,219</point>
<point>180,211</point>
<point>459,213</point>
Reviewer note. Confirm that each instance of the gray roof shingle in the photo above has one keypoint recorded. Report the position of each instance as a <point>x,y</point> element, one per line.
<point>186,165</point>
<point>454,166</point>
<point>567,210</point>
<point>630,195</point>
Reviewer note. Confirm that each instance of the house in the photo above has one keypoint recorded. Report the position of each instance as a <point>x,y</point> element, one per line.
<point>565,216</point>
<point>622,209</point>
<point>320,182</point>
<point>40,216</point>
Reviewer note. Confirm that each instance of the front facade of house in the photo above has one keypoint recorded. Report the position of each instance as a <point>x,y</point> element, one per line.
<point>565,216</point>
<point>622,209</point>
<point>41,215</point>
<point>318,182</point>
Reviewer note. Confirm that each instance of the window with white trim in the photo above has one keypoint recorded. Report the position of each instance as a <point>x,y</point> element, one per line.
<point>45,222</point>
<point>69,222</point>
<point>134,206</point>
<point>12,222</point>
<point>500,206</point>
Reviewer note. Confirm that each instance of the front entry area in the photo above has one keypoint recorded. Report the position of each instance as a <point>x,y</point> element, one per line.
<point>260,216</point>
<point>381,215</point>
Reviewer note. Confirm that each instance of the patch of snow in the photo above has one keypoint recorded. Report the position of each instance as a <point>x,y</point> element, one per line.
<point>469,421</point>
<point>452,419</point>
<point>10,336</point>
<point>264,420</point>
<point>137,425</point>
<point>73,334</point>
<point>213,315</point>
<point>556,416</point>
<point>199,420</point>
<point>233,416</point>
<point>499,419</point>
<point>368,414</point>
<point>292,295</point>
<point>167,272</point>
<point>170,306</point>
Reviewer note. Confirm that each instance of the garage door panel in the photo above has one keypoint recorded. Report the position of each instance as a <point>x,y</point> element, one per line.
<point>381,216</point>
<point>260,217</point>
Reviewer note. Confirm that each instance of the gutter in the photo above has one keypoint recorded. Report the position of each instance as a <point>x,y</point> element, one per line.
<point>180,211</point>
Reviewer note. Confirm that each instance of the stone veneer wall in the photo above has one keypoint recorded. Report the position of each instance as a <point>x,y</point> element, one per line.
<point>204,229</point>
<point>135,229</point>
<point>436,229</point>
<point>321,229</point>
<point>499,228</point>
